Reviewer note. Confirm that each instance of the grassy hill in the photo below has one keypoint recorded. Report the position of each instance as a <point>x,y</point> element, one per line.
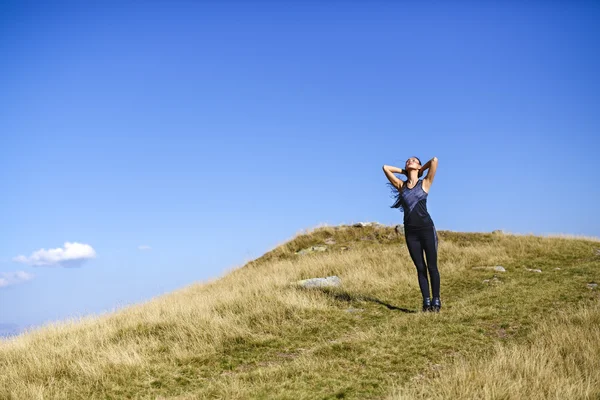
<point>518,334</point>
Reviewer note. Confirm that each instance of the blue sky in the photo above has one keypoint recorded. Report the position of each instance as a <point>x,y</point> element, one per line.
<point>214,131</point>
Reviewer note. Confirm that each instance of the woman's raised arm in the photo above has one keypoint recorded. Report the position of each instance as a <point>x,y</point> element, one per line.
<point>431,165</point>
<point>390,171</point>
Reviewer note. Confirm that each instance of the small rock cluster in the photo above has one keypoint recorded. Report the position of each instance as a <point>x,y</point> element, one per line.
<point>493,281</point>
<point>330,241</point>
<point>312,249</point>
<point>498,268</point>
<point>363,224</point>
<point>398,228</point>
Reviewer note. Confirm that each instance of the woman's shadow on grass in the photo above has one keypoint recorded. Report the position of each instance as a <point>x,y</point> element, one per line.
<point>341,295</point>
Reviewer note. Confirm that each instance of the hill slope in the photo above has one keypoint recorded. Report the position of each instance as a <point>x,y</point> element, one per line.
<point>514,334</point>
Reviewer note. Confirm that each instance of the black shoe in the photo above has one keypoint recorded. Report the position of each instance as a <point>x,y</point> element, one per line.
<point>426,305</point>
<point>436,304</point>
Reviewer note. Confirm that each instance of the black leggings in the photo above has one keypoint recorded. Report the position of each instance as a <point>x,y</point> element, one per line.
<point>419,241</point>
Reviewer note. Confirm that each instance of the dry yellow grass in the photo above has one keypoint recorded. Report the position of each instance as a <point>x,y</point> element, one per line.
<point>250,334</point>
<point>561,360</point>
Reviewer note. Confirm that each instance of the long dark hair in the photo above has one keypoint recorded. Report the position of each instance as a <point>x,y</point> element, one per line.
<point>396,196</point>
<point>396,193</point>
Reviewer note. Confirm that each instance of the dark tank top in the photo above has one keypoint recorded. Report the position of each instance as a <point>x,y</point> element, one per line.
<point>414,203</point>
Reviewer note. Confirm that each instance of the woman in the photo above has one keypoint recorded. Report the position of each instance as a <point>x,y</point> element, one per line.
<point>419,230</point>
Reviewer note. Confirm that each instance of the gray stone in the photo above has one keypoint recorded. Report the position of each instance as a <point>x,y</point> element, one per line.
<point>330,241</point>
<point>399,229</point>
<point>533,270</point>
<point>497,268</point>
<point>363,224</point>
<point>312,249</point>
<point>493,281</point>
<point>592,285</point>
<point>557,268</point>
<point>330,281</point>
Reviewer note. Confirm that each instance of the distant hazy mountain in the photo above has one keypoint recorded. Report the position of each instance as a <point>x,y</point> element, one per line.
<point>7,330</point>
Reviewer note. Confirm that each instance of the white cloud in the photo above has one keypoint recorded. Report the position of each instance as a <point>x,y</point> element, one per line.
<point>144,247</point>
<point>72,255</point>
<point>13,278</point>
